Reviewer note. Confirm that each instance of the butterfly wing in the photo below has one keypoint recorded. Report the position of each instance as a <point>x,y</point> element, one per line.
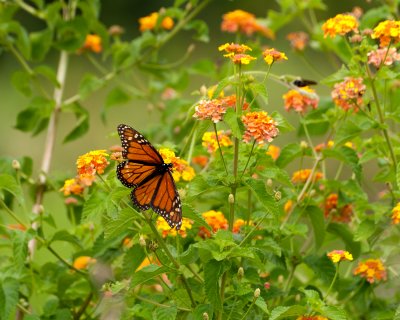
<point>131,174</point>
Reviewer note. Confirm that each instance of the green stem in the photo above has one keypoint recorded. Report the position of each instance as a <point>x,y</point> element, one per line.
<point>248,159</point>
<point>250,307</point>
<point>333,281</point>
<point>219,147</point>
<point>160,304</point>
<point>11,213</point>
<point>302,121</point>
<point>222,294</point>
<point>21,60</point>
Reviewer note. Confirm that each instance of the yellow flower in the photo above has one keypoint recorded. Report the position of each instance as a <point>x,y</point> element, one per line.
<point>340,255</point>
<point>92,43</point>
<point>234,48</point>
<point>83,262</point>
<point>92,162</point>
<point>300,100</point>
<point>149,22</point>
<point>238,224</point>
<point>288,206</point>
<point>312,318</point>
<point>372,270</point>
<point>148,261</point>
<point>166,230</point>
<point>273,151</point>
<point>181,168</point>
<point>260,126</point>
<point>272,55</point>
<point>72,186</point>
<point>387,31</point>
<point>396,214</point>
<point>216,220</point>
<point>340,24</point>
<point>209,140</point>
<point>302,176</point>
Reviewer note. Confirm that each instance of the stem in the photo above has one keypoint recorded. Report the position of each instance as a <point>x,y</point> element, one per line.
<point>11,213</point>
<point>84,306</point>
<point>219,147</point>
<point>333,281</point>
<point>382,119</point>
<point>248,159</point>
<point>160,304</point>
<point>308,136</point>
<point>222,294</point>
<point>251,306</point>
<point>21,60</point>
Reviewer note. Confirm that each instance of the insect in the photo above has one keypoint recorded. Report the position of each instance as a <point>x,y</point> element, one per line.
<point>145,171</point>
<point>303,82</point>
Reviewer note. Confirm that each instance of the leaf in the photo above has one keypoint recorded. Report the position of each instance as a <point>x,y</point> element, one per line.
<point>353,128</point>
<point>165,313</point>
<point>115,227</point>
<point>284,312</point>
<point>89,84</point>
<point>147,273</point>
<point>93,207</point>
<point>262,305</point>
<point>82,122</point>
<point>264,198</point>
<point>212,273</point>
<point>203,67</point>
<point>190,213</point>
<point>48,73</point>
<point>364,230</point>
<point>21,80</point>
<point>20,250</point>
<point>398,175</point>
<point>397,314</point>
<point>19,35</point>
<point>71,34</point>
<point>318,223</point>
<point>8,182</point>
<point>259,89</point>
<point>201,30</point>
<point>348,156</point>
<point>283,125</point>
<point>231,120</point>
<point>346,235</point>
<point>288,154</point>
<point>40,43</point>
<point>9,297</point>
<point>322,267</point>
<point>220,86</point>
<point>334,313</point>
<point>64,235</point>
<point>115,97</point>
<point>133,259</point>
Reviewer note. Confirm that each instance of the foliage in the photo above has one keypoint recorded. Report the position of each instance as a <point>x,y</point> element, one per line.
<point>259,220</point>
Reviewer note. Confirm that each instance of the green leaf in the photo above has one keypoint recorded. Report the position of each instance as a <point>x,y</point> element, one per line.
<point>259,89</point>
<point>283,125</point>
<point>322,267</point>
<point>115,227</point>
<point>348,156</point>
<point>82,122</point>
<point>346,235</point>
<point>288,154</point>
<point>262,305</point>
<point>165,313</point>
<point>364,230</point>
<point>48,73</point>
<point>9,297</point>
<point>353,128</point>
<point>93,207</point>
<point>133,259</point>
<point>398,175</point>
<point>397,314</point>
<point>8,182</point>
<point>231,120</point>
<point>115,97</point>
<point>89,84</point>
<point>41,43</point>
<point>264,198</point>
<point>71,34</point>
<point>285,312</point>
<point>220,86</point>
<point>21,80</point>
<point>212,273</point>
<point>334,313</point>
<point>21,37</point>
<point>203,67</point>
<point>64,235</point>
<point>147,273</point>
<point>318,223</point>
<point>20,250</point>
<point>192,214</point>
<point>201,30</point>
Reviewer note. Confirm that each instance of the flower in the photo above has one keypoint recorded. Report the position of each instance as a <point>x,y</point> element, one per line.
<point>298,40</point>
<point>92,162</point>
<point>16,226</point>
<point>245,22</point>
<point>288,206</point>
<point>166,230</point>
<point>216,220</point>
<point>181,168</point>
<point>72,186</point>
<point>396,214</point>
<point>83,262</point>
<point>237,225</point>
<point>338,214</point>
<point>150,22</point>
<point>272,55</point>
<point>210,142</point>
<point>339,255</point>
<point>127,242</point>
<point>340,24</point>
<point>387,31</point>
<point>300,100</point>
<point>312,318</point>
<point>259,126</point>
<point>236,52</point>
<point>215,109</point>
<point>348,94</point>
<point>92,43</point>
<point>372,270</point>
<point>148,261</point>
<point>200,160</point>
<point>383,56</point>
<point>273,151</point>
<point>301,176</point>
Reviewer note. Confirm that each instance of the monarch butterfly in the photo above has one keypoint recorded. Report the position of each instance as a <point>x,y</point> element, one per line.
<point>145,171</point>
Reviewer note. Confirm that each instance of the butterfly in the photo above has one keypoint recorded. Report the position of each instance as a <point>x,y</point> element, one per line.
<point>145,171</point>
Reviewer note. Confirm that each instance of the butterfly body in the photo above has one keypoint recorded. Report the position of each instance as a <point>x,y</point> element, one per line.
<point>145,171</point>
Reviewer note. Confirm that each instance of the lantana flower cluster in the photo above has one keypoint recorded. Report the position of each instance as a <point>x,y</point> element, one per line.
<point>166,230</point>
<point>300,100</point>
<point>348,93</point>
<point>372,270</point>
<point>181,170</point>
<point>341,24</point>
<point>336,213</point>
<point>210,142</point>
<point>150,22</point>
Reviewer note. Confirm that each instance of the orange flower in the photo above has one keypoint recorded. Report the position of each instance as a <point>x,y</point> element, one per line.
<point>238,224</point>
<point>312,318</point>
<point>259,126</point>
<point>236,52</point>
<point>148,261</point>
<point>200,160</point>
<point>298,40</point>
<point>300,100</point>
<point>396,214</point>
<point>288,206</point>
<point>383,56</point>
<point>72,186</point>
<point>336,213</point>
<point>92,43</point>
<point>216,220</point>
<point>348,94</point>
<point>215,109</point>
<point>16,226</point>
<point>322,146</point>
<point>372,270</point>
<point>92,162</point>
<point>272,55</point>
<point>150,22</point>
<point>301,176</point>
<point>339,255</point>
<point>210,142</point>
<point>166,230</point>
<point>181,168</point>
<point>245,22</point>
<point>387,31</point>
<point>340,24</point>
<point>127,243</point>
<point>273,151</point>
<point>83,262</point>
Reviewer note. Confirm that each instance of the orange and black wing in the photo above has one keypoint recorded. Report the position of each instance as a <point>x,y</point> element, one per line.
<point>166,201</point>
<point>137,148</point>
<point>132,174</point>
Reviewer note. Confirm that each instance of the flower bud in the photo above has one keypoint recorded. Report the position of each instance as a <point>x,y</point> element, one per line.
<point>267,285</point>
<point>153,246</point>
<point>240,273</point>
<point>280,279</point>
<point>278,195</point>
<point>115,30</point>
<point>203,90</point>
<point>297,298</point>
<point>231,198</point>
<point>269,183</point>
<point>205,316</point>
<point>312,193</point>
<point>142,241</point>
<point>303,144</point>
<point>257,293</point>
<point>16,165</point>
